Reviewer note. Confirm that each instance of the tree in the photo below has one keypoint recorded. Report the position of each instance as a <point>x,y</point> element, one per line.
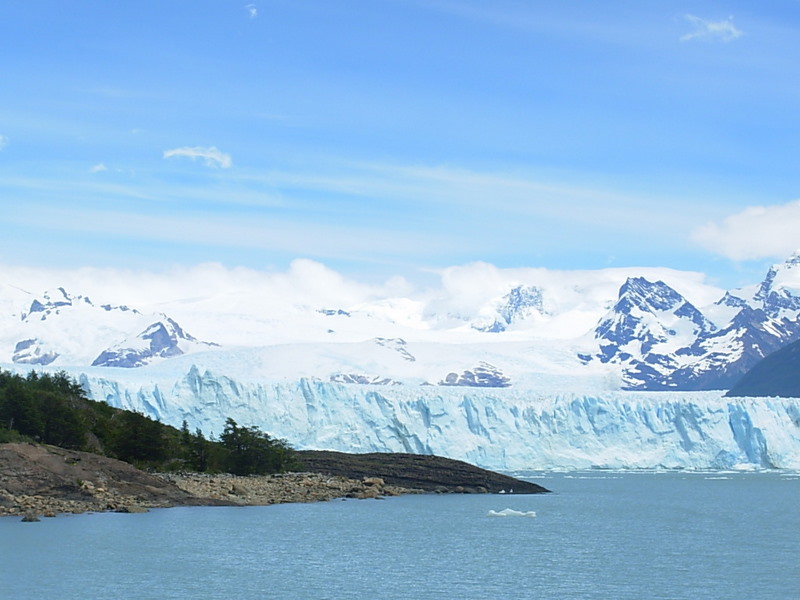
<point>138,438</point>
<point>196,448</point>
<point>251,451</point>
<point>18,407</point>
<point>62,425</point>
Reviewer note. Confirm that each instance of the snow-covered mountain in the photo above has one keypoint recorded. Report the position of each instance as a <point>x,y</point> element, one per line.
<point>647,332</point>
<point>63,329</point>
<point>509,369</point>
<point>162,339</point>
<point>513,308</point>
<point>644,329</point>
<point>775,375</point>
<point>662,341</point>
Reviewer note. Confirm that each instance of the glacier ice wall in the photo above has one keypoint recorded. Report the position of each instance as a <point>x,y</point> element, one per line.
<point>503,429</point>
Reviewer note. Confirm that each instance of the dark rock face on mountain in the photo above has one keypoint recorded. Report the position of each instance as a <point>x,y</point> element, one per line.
<point>32,352</point>
<point>763,324</point>
<point>731,352</point>
<point>160,340</point>
<point>332,312</point>
<point>663,342</point>
<point>53,303</point>
<point>520,302</point>
<point>484,375</point>
<point>776,375</point>
<point>638,317</point>
<point>517,304</point>
<point>643,329</point>
<point>396,344</point>
<point>362,379</point>
<point>774,299</point>
<point>57,322</point>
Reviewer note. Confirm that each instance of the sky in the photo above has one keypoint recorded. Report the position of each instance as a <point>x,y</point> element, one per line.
<point>386,138</point>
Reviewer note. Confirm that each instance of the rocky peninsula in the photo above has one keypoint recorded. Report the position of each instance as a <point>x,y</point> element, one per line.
<point>40,480</point>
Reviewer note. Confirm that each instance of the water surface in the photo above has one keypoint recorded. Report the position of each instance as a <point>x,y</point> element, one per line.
<point>600,535</point>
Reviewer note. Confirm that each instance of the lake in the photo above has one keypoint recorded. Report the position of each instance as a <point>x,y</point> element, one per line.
<point>600,535</point>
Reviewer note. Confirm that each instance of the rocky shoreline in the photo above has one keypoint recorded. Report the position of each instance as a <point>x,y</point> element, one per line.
<point>282,488</point>
<point>44,481</point>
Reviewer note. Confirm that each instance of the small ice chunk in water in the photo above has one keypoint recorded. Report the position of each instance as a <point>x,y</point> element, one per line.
<point>510,512</point>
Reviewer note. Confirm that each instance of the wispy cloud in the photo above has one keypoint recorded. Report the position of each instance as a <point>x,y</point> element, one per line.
<point>703,29</point>
<point>252,11</point>
<point>757,232</point>
<point>212,157</point>
<point>283,236</point>
<point>98,168</point>
<point>3,141</point>
<point>515,196</point>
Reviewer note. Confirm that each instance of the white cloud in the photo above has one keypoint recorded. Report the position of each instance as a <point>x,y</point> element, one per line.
<point>251,10</point>
<point>98,168</point>
<point>236,305</point>
<point>212,157</point>
<point>757,232</point>
<point>3,141</point>
<point>702,29</point>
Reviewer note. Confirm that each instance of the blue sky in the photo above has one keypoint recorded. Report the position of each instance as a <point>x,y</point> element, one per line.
<point>385,137</point>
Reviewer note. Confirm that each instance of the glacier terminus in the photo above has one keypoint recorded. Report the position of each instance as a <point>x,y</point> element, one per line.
<point>502,428</point>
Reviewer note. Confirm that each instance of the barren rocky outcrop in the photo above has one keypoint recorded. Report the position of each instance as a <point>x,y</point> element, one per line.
<point>420,471</point>
<point>40,480</point>
<point>45,480</point>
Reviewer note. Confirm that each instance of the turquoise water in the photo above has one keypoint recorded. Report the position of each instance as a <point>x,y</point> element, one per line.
<point>601,535</point>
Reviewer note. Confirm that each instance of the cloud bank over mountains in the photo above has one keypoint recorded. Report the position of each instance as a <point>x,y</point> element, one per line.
<point>757,232</point>
<point>449,301</point>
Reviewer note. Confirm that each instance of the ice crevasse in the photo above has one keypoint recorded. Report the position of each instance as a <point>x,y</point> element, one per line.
<point>502,429</point>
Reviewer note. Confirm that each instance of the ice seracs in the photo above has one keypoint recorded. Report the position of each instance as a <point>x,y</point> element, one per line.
<point>513,428</point>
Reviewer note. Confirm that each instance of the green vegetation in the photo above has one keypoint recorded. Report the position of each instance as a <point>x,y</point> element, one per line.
<point>52,409</point>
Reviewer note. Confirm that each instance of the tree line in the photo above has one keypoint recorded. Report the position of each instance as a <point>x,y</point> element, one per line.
<point>51,408</point>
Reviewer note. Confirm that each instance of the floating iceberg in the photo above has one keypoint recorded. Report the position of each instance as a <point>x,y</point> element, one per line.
<point>510,512</point>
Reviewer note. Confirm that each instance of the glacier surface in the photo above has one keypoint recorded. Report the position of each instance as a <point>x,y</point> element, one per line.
<point>499,428</point>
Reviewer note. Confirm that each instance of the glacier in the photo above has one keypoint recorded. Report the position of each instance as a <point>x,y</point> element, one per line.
<point>507,429</point>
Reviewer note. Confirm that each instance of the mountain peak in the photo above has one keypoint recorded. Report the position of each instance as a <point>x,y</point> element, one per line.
<point>520,302</point>
<point>780,289</point>
<point>647,329</point>
<point>649,295</point>
<point>162,339</point>
<point>794,259</point>
<point>52,303</point>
